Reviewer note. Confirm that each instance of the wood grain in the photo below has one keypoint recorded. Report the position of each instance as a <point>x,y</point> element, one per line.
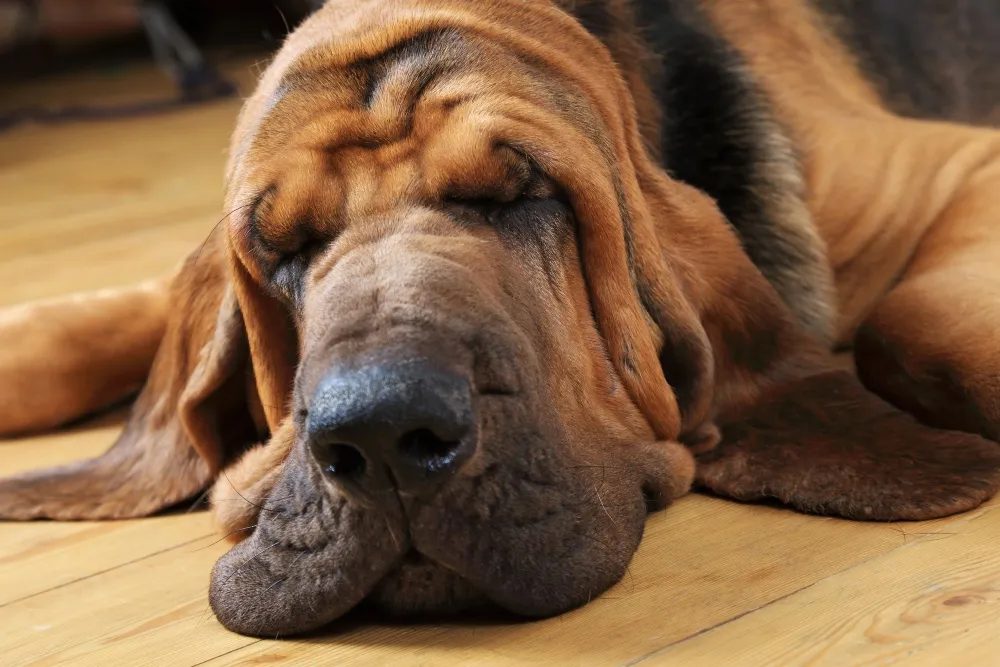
<point>95,205</point>
<point>934,597</point>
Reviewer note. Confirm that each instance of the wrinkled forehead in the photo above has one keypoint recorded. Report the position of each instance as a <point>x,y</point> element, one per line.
<point>383,122</point>
<point>362,90</point>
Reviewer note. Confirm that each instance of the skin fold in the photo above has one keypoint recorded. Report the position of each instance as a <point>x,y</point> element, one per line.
<point>485,214</point>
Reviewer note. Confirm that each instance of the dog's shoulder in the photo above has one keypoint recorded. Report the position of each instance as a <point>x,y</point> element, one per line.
<point>711,125</point>
<point>714,81</point>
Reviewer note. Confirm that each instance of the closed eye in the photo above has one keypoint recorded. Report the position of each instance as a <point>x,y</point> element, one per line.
<point>487,207</point>
<point>532,188</point>
<point>289,270</point>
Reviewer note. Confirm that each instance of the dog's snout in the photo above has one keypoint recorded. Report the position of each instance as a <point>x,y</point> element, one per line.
<point>407,425</point>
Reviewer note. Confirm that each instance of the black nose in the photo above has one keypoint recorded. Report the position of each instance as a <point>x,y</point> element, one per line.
<point>406,424</point>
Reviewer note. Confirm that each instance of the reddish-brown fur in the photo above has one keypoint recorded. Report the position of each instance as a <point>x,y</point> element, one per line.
<point>908,209</point>
<point>571,335</point>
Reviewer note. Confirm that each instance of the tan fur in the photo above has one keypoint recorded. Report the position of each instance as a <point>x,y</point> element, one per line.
<point>908,209</point>
<point>594,346</point>
<point>686,237</point>
<point>876,182</point>
<point>106,340</point>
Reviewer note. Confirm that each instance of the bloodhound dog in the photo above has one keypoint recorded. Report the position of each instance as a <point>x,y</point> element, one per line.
<point>499,278</point>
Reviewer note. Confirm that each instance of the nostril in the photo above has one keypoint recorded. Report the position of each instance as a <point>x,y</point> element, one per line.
<point>343,460</point>
<point>403,424</point>
<point>427,451</point>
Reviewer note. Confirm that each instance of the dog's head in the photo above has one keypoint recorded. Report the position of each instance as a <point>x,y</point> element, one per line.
<point>437,206</point>
<point>477,323</point>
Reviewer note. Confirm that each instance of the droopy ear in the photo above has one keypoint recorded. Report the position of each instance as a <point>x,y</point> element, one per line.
<point>274,345</point>
<point>242,492</point>
<point>793,425</point>
<point>196,411</point>
<point>823,444</point>
<point>653,336</point>
<point>764,403</point>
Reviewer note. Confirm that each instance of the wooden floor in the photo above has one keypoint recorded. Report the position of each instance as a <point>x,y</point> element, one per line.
<point>715,583</point>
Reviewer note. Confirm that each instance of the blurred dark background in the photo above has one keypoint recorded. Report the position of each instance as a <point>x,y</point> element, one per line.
<point>43,37</point>
<point>194,52</point>
<point>115,117</point>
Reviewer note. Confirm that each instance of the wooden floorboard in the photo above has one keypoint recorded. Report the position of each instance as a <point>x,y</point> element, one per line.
<point>86,206</point>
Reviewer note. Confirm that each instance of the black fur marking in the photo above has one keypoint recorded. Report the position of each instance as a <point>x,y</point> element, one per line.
<point>718,135</point>
<point>711,121</point>
<point>367,74</point>
<point>258,243</point>
<point>539,227</point>
<point>595,16</point>
<point>423,47</point>
<point>370,88</point>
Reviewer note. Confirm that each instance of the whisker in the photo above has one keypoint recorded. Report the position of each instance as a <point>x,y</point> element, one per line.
<point>247,561</point>
<point>273,584</point>
<point>278,581</point>
<point>208,607</point>
<point>598,493</point>
<point>607,547</point>
<point>283,19</point>
<point>201,248</point>
<point>260,499</point>
<point>260,507</point>
<point>198,501</point>
<point>631,578</point>
<point>391,533</point>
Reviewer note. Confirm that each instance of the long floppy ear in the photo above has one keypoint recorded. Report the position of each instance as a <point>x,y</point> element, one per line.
<point>792,424</point>
<point>823,444</point>
<point>238,496</point>
<point>762,401</point>
<point>273,341</point>
<point>198,410</point>
<point>653,336</point>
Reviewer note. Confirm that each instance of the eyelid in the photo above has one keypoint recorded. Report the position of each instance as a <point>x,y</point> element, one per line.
<point>286,274</point>
<point>255,240</point>
<point>298,236</point>
<point>260,204</point>
<point>535,185</point>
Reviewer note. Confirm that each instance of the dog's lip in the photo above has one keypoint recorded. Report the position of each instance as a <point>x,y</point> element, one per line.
<point>456,595</point>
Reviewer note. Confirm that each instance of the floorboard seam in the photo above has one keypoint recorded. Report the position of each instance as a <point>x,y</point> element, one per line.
<point>105,571</point>
<point>216,657</point>
<point>921,537</point>
<point>710,628</point>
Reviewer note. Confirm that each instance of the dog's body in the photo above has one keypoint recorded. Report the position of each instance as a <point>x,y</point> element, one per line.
<point>487,289</point>
<point>872,108</point>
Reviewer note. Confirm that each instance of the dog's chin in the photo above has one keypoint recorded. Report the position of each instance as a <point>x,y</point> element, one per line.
<point>422,587</point>
<point>539,528</point>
